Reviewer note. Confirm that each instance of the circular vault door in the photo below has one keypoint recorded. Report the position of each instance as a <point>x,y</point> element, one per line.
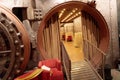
<point>14,45</point>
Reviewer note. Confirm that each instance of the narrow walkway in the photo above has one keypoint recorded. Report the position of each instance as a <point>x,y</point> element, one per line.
<point>75,53</point>
<point>81,70</point>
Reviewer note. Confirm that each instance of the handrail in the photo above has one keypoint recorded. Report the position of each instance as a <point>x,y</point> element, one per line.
<point>66,62</point>
<point>94,69</point>
<point>95,47</point>
<point>98,57</point>
<point>96,63</point>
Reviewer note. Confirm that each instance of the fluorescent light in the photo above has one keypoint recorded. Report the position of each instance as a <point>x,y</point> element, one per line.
<point>62,13</point>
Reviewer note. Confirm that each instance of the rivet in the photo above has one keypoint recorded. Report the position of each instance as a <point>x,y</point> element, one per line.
<point>17,53</point>
<point>21,59</point>
<point>21,46</point>
<point>10,22</point>
<point>16,41</point>
<point>11,30</point>
<point>18,71</point>
<point>15,66</point>
<point>4,55</point>
<point>18,34</point>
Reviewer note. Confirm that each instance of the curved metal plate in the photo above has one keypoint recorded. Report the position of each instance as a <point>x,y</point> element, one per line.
<point>16,43</point>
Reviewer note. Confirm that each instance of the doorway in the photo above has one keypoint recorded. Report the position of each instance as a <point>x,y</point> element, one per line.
<point>71,32</point>
<point>88,13</point>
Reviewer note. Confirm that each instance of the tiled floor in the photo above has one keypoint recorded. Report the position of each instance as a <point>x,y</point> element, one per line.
<point>75,53</point>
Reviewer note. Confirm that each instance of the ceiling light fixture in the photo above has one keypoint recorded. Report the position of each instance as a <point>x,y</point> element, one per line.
<point>61,13</point>
<point>76,15</point>
<point>70,14</point>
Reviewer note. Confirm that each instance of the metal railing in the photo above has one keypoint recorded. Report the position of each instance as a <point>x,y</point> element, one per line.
<point>95,56</point>
<point>66,62</point>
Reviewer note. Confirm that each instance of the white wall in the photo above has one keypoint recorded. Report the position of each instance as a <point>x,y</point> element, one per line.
<point>68,27</point>
<point>77,24</point>
<point>78,32</point>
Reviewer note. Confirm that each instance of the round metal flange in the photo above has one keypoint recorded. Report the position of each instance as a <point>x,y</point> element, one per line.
<point>103,27</point>
<point>14,45</point>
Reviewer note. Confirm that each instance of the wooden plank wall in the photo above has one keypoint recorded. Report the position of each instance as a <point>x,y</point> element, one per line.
<point>90,33</point>
<point>51,37</point>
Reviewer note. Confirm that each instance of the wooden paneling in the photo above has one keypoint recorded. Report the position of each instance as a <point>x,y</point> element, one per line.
<point>51,38</point>
<point>90,33</point>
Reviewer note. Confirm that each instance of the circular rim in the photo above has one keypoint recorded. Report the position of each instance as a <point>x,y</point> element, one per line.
<point>22,30</point>
<point>104,30</point>
<point>12,58</point>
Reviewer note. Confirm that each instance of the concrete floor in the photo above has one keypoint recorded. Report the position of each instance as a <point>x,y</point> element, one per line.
<point>75,53</point>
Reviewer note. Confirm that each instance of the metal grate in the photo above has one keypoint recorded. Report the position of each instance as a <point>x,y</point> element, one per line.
<point>82,71</point>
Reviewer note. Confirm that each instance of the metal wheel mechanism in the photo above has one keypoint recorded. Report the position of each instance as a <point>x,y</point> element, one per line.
<point>14,45</point>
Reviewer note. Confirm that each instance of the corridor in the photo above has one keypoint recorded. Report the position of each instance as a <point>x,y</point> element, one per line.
<point>75,53</point>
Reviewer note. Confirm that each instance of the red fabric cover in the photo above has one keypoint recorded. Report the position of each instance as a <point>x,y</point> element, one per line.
<point>69,38</point>
<point>63,37</point>
<point>55,66</point>
<point>56,75</point>
<point>53,75</point>
<point>45,75</point>
<point>52,63</point>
